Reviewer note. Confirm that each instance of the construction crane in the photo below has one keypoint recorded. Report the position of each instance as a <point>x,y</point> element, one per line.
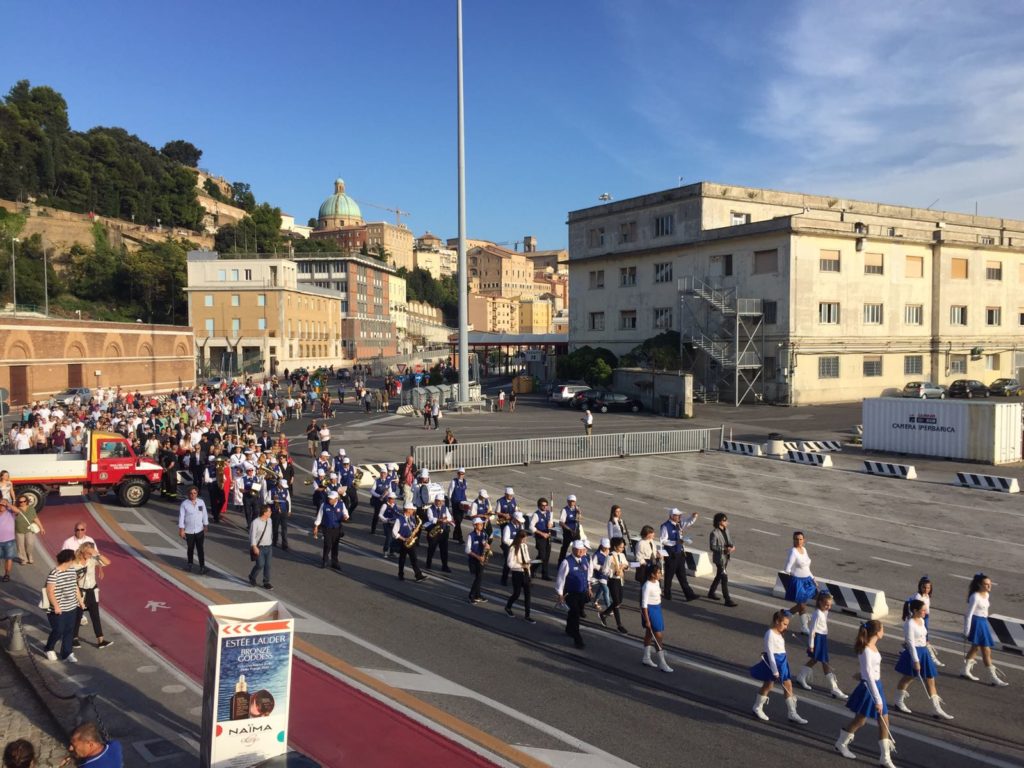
<point>397,211</point>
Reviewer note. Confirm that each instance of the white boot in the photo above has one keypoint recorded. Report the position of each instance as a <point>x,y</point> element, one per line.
<point>662,664</point>
<point>885,752</point>
<point>937,708</point>
<point>966,671</point>
<point>759,703</point>
<point>647,660</point>
<point>805,624</point>
<point>803,678</point>
<point>834,688</point>
<point>934,655</point>
<point>994,678</point>
<point>791,706</point>
<point>901,701</point>
<point>843,743</point>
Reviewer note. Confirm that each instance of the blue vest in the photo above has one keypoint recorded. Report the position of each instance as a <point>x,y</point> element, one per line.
<point>483,507</point>
<point>600,558</point>
<point>507,506</point>
<point>577,580</point>
<point>405,525</point>
<point>281,497</point>
<point>333,515</point>
<point>339,465</point>
<point>381,487</point>
<point>477,541</point>
<point>458,492</point>
<point>513,528</point>
<point>438,513</point>
<point>570,518</point>
<point>347,477</point>
<point>390,512</point>
<point>672,532</point>
<point>247,483</point>
<point>324,465</point>
<point>543,521</point>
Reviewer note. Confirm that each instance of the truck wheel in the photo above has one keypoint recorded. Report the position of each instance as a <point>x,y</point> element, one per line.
<point>133,493</point>
<point>35,494</point>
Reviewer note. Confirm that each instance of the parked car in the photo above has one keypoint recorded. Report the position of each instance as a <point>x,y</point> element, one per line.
<point>924,390</point>
<point>216,382</point>
<point>614,401</point>
<point>1005,388</point>
<point>968,388</point>
<point>581,400</point>
<point>84,394</point>
<point>562,393</point>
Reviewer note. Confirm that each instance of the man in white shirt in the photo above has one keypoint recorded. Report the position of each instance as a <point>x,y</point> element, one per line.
<point>261,539</point>
<point>193,522</point>
<point>572,586</point>
<point>78,538</point>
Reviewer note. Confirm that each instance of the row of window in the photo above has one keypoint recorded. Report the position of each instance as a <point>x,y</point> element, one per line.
<point>236,326</point>
<point>913,314</point>
<point>662,225</point>
<point>222,275</point>
<point>662,319</point>
<point>763,263</point>
<point>913,365</point>
<point>236,300</point>
<point>874,264</point>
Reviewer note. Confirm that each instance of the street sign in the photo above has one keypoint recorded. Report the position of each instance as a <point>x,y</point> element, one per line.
<point>4,394</point>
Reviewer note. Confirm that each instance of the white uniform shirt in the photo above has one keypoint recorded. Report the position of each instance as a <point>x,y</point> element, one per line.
<point>440,514</point>
<point>977,605</point>
<point>650,594</point>
<point>914,635</point>
<point>798,564</point>
<point>871,671</point>
<point>926,599</point>
<point>774,643</point>
<point>819,625</point>
<point>610,562</point>
<point>518,559</point>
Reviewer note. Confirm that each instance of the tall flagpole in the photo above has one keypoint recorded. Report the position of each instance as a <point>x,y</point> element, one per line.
<point>462,272</point>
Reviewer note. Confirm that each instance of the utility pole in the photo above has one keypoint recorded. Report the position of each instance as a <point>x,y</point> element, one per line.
<point>46,285</point>
<point>463,277</point>
<point>14,278</point>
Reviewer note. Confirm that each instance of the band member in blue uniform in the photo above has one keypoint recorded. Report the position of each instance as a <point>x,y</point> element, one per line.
<point>569,522</point>
<point>774,668</point>
<point>672,542</point>
<point>347,478</point>
<point>329,518</point>
<point>403,531</point>
<point>478,551</point>
<point>572,587</point>
<point>281,504</point>
<point>440,521</point>
<point>868,698</point>
<point>541,525</point>
<point>457,502</point>
<point>507,506</point>
<point>252,493</point>
<point>515,524</point>
<point>389,512</point>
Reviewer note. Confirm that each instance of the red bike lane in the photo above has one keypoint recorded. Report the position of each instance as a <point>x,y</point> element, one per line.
<point>330,720</point>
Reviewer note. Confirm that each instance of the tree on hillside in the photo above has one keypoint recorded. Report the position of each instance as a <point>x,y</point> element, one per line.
<point>183,152</point>
<point>259,232</point>
<point>211,188</point>
<point>309,245</point>
<point>242,196</point>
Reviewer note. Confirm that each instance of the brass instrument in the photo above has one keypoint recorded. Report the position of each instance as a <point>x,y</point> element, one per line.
<point>413,537</point>
<point>487,553</point>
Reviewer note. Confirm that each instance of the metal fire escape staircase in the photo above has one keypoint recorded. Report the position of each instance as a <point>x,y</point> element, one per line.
<point>722,339</point>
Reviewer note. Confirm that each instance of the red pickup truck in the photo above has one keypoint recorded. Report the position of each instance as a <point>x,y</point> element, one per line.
<point>106,464</point>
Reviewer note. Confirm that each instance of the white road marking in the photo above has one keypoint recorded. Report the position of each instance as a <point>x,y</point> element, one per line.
<point>139,527</point>
<point>549,479</point>
<point>630,498</point>
<point>560,759</point>
<point>173,689</point>
<point>826,546</point>
<point>603,493</point>
<point>958,576</point>
<point>517,471</point>
<point>766,533</point>
<point>891,562</point>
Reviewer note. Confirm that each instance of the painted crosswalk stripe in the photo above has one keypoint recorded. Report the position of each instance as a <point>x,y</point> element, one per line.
<point>766,533</point>
<point>892,562</point>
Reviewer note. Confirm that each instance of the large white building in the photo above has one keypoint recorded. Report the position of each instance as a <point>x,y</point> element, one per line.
<point>800,298</point>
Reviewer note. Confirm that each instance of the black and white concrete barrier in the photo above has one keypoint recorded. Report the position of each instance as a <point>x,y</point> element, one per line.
<point>1009,632</point>
<point>810,457</point>
<point>698,563</point>
<point>747,449</point>
<point>821,446</point>
<point>888,469</point>
<point>849,598</point>
<point>988,482</point>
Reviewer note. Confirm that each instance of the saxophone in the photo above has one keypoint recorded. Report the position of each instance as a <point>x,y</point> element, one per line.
<point>413,537</point>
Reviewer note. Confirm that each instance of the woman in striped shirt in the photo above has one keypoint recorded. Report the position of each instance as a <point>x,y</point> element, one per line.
<point>65,599</point>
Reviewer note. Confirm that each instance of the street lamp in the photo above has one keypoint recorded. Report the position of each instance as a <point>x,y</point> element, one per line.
<point>14,278</point>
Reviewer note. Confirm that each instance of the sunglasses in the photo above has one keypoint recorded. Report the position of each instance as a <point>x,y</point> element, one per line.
<point>79,529</point>
<point>23,501</point>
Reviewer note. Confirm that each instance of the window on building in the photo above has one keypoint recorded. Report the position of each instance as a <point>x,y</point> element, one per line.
<point>727,264</point>
<point>958,315</point>
<point>627,276</point>
<point>986,240</point>
<point>992,362</point>
<point>1020,316</point>
<point>958,364</point>
<point>248,274</point>
<point>828,261</point>
<point>914,266</point>
<point>234,275</point>
<point>627,320</point>
<point>993,315</point>
<point>828,312</point>
<point>261,299</point>
<point>770,312</point>
<point>913,314</point>
<point>872,365</point>
<point>236,325</point>
<point>874,264</point>
<point>261,323</point>
<point>872,314</point>
<point>596,278</point>
<point>766,262</point>
<point>828,367</point>
<point>663,272</point>
<point>235,300</point>
<point>913,365</point>
<point>958,269</point>
<point>209,326</point>
<point>664,225</point>
<point>663,318</point>
<point>208,300</point>
<point>595,237</point>
<point>737,218</point>
<point>770,371</point>
<point>993,270</point>
<point>627,232</point>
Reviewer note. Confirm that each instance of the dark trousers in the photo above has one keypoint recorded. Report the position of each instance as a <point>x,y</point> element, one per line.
<point>543,554</point>
<point>194,544</point>
<point>62,628</point>
<point>216,501</point>
<point>721,577</point>
<point>477,569</point>
<point>375,505</point>
<point>332,538</point>
<point>408,553</point>
<point>459,514</point>
<point>439,541</point>
<point>615,590</point>
<point>675,566</point>
<point>567,539</point>
<point>169,482</point>
<point>520,585</point>
<point>504,563</point>
<point>92,605</point>
<point>279,526</point>
<point>576,602</point>
<point>262,563</point>
<point>351,498</point>
<point>250,507</point>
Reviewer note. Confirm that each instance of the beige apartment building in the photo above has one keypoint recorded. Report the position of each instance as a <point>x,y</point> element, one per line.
<point>535,316</point>
<point>497,271</point>
<point>493,314</point>
<point>430,254</point>
<point>252,315</point>
<point>800,298</point>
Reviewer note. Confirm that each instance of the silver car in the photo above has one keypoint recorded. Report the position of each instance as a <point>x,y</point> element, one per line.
<point>924,390</point>
<point>84,394</point>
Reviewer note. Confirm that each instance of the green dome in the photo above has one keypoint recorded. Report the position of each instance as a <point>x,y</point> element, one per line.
<point>340,205</point>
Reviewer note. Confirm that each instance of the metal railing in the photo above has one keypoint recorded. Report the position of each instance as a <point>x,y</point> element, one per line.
<point>535,450</point>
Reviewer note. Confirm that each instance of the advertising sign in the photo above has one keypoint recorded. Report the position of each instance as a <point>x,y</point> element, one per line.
<point>247,684</point>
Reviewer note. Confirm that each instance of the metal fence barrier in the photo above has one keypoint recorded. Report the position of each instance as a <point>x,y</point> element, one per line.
<point>535,450</point>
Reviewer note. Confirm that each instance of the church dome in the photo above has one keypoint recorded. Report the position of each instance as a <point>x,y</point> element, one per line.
<point>339,209</point>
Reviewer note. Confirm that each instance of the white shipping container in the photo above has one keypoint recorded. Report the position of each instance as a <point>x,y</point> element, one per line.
<point>969,430</point>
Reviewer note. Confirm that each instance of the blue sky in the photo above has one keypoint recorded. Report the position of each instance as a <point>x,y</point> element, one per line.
<point>904,102</point>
